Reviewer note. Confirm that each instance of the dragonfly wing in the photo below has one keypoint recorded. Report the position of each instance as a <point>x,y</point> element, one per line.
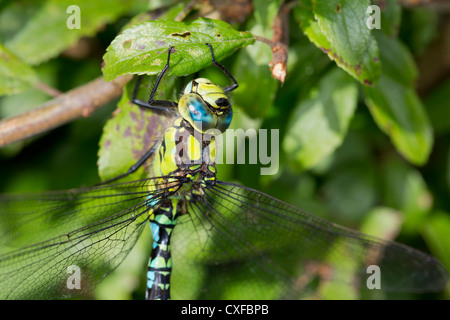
<point>44,236</point>
<point>292,252</point>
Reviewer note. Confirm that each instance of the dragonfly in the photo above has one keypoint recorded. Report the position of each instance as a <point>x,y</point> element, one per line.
<point>207,234</point>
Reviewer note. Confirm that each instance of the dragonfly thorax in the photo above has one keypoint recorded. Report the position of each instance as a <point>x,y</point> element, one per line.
<point>205,106</point>
<point>186,152</point>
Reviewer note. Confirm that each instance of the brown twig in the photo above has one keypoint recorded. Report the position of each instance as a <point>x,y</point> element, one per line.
<point>279,43</point>
<point>81,101</point>
<point>279,58</point>
<point>278,65</point>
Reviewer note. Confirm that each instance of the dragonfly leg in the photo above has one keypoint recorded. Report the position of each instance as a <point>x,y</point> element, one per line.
<point>135,166</point>
<point>151,103</point>
<point>221,67</point>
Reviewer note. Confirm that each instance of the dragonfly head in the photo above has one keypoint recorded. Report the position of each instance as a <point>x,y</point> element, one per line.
<point>205,106</point>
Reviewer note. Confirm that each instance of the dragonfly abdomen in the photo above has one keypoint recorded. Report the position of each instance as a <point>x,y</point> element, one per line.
<point>160,264</point>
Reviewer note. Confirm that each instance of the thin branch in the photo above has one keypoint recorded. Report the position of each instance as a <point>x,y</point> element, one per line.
<point>279,57</point>
<point>279,43</point>
<point>79,102</point>
<point>265,40</point>
<point>281,39</point>
<point>52,92</point>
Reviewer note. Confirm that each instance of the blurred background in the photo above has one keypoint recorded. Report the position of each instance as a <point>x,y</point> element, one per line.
<point>382,171</point>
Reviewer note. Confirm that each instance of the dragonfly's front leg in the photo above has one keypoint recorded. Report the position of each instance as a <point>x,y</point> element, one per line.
<point>153,104</point>
<point>135,166</point>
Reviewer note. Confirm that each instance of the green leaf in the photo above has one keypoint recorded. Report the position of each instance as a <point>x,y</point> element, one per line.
<point>143,48</point>
<point>342,22</point>
<point>319,125</point>
<point>436,233</point>
<point>16,75</point>
<point>28,99</point>
<point>14,15</point>
<point>305,15</point>
<point>351,190</point>
<point>405,190</point>
<point>397,62</point>
<point>437,105</point>
<point>338,27</point>
<point>46,34</point>
<point>382,222</point>
<point>395,106</point>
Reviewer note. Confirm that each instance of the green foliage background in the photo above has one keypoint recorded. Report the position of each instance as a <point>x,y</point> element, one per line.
<point>374,158</point>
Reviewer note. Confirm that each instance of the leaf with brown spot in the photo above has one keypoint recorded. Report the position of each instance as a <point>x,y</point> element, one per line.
<point>147,45</point>
<point>343,35</point>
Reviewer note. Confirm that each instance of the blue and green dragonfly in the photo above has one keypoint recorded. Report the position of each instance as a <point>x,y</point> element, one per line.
<point>266,248</point>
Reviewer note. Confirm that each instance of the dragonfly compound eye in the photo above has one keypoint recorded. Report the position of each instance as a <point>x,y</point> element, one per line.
<point>207,103</point>
<point>210,92</point>
<point>195,111</point>
<point>224,120</point>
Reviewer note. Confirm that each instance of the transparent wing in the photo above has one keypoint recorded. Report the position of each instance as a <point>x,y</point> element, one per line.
<point>244,244</point>
<point>235,243</point>
<point>44,235</point>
